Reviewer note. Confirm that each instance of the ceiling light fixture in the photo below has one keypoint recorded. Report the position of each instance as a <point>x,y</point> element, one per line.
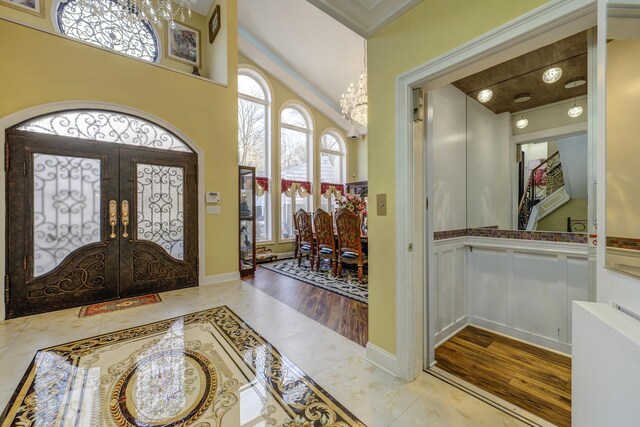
<point>575,111</point>
<point>552,75</point>
<point>522,123</point>
<point>354,102</point>
<point>141,11</point>
<point>522,97</point>
<point>575,83</point>
<point>485,95</point>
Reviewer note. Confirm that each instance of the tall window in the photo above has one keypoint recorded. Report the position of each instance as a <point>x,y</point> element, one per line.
<point>108,29</point>
<point>295,163</point>
<point>253,141</point>
<point>332,166</point>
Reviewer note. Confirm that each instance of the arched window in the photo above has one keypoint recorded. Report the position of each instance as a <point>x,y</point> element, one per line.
<point>254,106</point>
<point>106,126</point>
<point>332,167</point>
<point>295,164</point>
<point>108,29</point>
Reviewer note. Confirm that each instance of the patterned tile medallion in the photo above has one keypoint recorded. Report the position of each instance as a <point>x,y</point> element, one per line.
<point>347,285</point>
<point>121,304</point>
<point>205,369</point>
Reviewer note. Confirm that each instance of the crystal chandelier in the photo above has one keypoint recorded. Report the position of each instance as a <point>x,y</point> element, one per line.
<point>141,11</point>
<point>354,101</point>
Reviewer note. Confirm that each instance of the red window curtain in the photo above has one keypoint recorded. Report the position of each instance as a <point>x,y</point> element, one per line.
<point>263,182</point>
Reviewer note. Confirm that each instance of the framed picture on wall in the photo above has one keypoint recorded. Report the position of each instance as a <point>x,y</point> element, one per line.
<point>214,24</point>
<point>183,44</point>
<point>35,7</point>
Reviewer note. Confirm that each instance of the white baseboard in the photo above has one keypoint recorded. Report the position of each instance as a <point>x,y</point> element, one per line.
<point>451,330</point>
<point>220,278</point>
<point>382,358</point>
<point>517,334</point>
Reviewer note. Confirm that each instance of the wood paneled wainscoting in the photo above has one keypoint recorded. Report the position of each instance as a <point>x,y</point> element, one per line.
<point>520,288</point>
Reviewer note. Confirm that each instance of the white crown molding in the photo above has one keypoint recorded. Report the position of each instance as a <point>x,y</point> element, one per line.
<point>266,59</point>
<point>365,17</point>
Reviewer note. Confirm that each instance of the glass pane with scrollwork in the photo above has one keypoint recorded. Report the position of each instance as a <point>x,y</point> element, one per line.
<point>161,207</point>
<point>78,19</point>
<point>66,207</point>
<point>106,126</point>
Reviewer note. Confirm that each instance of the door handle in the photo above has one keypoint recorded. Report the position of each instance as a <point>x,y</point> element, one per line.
<point>113,217</point>
<point>125,217</point>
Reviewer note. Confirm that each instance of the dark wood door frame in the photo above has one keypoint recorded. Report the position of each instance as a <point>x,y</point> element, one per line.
<point>152,268</point>
<point>93,272</point>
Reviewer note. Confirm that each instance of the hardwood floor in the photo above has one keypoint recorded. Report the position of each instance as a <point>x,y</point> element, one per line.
<point>533,378</point>
<point>344,315</point>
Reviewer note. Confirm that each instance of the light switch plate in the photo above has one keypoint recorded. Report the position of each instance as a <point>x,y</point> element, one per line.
<point>381,204</point>
<point>212,197</point>
<point>214,210</point>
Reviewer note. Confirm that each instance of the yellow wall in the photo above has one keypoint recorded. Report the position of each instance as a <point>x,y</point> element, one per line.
<point>281,94</point>
<point>196,21</point>
<point>425,32</point>
<point>557,221</point>
<point>39,68</point>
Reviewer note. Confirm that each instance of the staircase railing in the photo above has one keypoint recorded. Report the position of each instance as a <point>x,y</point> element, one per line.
<point>545,179</point>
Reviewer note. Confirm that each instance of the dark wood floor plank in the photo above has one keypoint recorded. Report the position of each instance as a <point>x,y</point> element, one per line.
<point>550,356</point>
<point>528,376</point>
<point>347,317</point>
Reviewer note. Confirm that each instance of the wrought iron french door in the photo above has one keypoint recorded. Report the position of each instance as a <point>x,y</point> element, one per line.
<point>91,221</point>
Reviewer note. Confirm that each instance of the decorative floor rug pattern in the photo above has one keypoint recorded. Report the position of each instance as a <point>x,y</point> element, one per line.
<point>347,285</point>
<point>120,304</point>
<point>205,369</point>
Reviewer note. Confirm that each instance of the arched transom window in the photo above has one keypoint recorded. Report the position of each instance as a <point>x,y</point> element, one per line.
<point>108,29</point>
<point>295,163</point>
<point>332,166</point>
<point>254,110</point>
<point>106,126</point>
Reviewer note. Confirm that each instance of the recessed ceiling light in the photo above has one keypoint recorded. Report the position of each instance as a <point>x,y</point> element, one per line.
<point>575,83</point>
<point>575,111</point>
<point>522,97</point>
<point>485,95</point>
<point>522,123</point>
<point>552,75</point>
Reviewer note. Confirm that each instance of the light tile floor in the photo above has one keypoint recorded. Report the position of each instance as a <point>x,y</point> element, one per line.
<point>334,362</point>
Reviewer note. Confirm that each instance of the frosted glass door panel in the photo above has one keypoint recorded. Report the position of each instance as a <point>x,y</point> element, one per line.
<point>66,207</point>
<point>160,208</point>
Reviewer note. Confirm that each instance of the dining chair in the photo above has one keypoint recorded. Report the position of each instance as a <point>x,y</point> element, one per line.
<point>296,235</point>
<point>305,236</point>
<point>350,241</point>
<point>325,239</point>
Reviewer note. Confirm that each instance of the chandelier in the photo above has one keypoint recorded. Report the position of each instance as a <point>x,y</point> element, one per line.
<point>354,101</point>
<point>141,11</point>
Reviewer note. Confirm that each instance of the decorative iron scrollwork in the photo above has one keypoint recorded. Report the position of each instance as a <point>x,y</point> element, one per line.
<point>87,276</point>
<point>107,29</point>
<point>106,126</point>
<point>147,267</point>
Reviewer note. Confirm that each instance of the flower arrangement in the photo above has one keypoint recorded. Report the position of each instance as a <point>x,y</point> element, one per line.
<point>354,203</point>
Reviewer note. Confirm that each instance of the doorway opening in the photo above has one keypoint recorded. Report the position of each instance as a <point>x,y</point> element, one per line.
<point>106,205</point>
<point>505,268</point>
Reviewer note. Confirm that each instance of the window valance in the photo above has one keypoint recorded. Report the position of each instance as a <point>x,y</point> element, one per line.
<point>290,187</point>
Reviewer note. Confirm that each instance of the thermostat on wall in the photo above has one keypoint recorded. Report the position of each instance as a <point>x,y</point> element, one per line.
<point>212,197</point>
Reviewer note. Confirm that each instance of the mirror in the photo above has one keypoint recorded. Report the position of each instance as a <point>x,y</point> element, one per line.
<point>526,140</point>
<point>623,128</point>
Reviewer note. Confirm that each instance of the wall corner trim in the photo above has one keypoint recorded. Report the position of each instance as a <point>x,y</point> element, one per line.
<point>220,278</point>
<point>382,359</point>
